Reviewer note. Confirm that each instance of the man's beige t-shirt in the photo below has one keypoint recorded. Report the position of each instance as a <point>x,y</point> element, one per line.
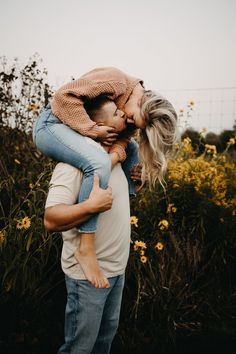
<point>113,230</point>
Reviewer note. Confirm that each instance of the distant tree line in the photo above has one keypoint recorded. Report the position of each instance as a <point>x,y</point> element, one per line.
<point>199,139</point>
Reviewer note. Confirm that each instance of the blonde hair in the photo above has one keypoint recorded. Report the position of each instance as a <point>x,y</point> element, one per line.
<point>158,137</point>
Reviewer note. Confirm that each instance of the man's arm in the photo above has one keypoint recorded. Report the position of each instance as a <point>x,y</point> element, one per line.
<point>62,217</point>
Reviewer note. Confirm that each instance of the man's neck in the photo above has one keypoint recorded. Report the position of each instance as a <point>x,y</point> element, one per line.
<point>105,147</point>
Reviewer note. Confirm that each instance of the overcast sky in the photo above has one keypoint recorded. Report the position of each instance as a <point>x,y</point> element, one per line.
<point>171,44</point>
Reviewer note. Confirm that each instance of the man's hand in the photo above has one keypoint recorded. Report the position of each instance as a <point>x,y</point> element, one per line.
<point>106,135</point>
<point>100,199</point>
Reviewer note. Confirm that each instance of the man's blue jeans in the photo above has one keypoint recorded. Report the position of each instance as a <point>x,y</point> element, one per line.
<point>91,316</point>
<point>57,140</point>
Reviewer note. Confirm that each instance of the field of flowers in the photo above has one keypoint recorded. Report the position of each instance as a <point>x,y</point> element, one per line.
<point>180,292</point>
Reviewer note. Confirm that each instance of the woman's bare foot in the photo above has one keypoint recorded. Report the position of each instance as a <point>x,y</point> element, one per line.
<point>86,257</point>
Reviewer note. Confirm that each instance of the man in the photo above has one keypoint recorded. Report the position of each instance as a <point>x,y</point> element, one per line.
<point>92,314</point>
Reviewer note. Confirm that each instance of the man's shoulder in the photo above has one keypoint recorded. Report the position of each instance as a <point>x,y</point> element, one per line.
<point>62,167</point>
<point>65,174</point>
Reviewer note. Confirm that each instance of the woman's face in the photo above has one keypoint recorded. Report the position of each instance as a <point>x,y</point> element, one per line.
<point>133,113</point>
<point>133,108</point>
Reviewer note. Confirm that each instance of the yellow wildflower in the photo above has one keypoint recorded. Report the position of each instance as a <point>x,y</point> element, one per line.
<point>31,185</point>
<point>231,141</point>
<point>159,246</point>
<point>135,247</point>
<point>2,237</point>
<point>134,221</point>
<point>211,149</point>
<point>19,225</point>
<point>142,253</point>
<point>163,225</point>
<point>17,162</point>
<point>171,208</point>
<point>17,148</point>
<point>222,158</point>
<point>204,130</point>
<point>140,244</point>
<point>187,145</point>
<point>143,259</point>
<point>204,176</point>
<point>32,106</point>
<point>191,103</point>
<point>26,222</point>
<point>187,140</point>
<point>23,223</point>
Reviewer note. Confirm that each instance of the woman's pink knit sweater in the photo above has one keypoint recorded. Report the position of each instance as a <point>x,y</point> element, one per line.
<point>68,102</point>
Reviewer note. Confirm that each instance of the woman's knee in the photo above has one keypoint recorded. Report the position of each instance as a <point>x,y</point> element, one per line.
<point>102,165</point>
<point>102,168</point>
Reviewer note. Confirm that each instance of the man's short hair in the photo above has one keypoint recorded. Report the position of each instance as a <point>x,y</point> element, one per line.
<point>93,106</point>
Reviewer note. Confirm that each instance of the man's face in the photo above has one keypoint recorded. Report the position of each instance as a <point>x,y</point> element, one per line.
<point>113,117</point>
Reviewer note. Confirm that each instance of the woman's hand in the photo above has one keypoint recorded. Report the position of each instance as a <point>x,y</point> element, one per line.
<point>106,135</point>
<point>136,176</point>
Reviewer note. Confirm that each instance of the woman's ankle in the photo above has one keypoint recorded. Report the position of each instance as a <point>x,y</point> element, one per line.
<point>87,242</point>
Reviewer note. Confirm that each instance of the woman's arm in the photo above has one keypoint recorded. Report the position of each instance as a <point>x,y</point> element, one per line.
<point>68,101</point>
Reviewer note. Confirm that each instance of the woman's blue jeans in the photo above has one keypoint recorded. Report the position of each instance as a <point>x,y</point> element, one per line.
<point>60,142</point>
<point>91,316</point>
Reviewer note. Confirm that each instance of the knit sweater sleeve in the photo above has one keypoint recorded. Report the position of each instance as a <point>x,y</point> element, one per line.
<point>68,101</point>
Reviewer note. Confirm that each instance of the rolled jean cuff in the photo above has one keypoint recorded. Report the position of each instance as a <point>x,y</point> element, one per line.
<point>89,226</point>
<point>85,231</point>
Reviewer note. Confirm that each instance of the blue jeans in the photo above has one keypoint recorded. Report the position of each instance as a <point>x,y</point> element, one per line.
<point>91,316</point>
<point>60,142</point>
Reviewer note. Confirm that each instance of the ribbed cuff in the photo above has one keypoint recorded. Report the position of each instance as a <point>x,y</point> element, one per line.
<point>119,150</point>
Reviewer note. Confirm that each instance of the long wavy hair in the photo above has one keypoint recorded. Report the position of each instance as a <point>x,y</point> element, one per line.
<point>156,140</point>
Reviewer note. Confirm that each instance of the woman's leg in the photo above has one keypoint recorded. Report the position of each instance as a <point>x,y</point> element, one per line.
<point>60,142</point>
<point>132,152</point>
